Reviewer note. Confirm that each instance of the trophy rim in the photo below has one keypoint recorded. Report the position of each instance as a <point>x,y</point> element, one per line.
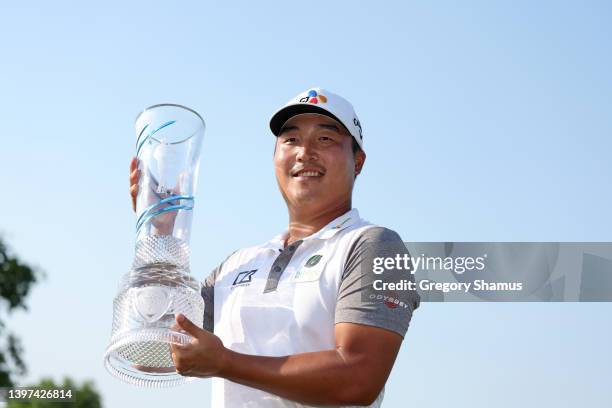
<point>175,105</point>
<point>121,369</point>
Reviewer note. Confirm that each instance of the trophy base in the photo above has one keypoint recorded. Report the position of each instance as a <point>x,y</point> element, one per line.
<point>144,324</point>
<point>152,346</point>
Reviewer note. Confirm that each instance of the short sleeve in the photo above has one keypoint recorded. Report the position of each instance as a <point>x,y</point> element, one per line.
<point>361,298</point>
<point>208,294</point>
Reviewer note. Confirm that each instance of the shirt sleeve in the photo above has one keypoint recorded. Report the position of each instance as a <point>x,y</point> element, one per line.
<point>362,301</point>
<point>208,294</point>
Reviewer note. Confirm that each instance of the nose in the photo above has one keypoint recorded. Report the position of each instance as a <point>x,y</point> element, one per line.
<point>306,153</point>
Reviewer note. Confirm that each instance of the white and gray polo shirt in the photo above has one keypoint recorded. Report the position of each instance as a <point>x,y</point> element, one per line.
<point>271,300</point>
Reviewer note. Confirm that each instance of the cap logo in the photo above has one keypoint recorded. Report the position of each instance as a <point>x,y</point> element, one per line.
<point>356,122</point>
<point>313,97</point>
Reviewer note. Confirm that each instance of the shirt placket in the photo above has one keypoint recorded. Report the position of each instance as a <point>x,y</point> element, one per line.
<point>278,267</point>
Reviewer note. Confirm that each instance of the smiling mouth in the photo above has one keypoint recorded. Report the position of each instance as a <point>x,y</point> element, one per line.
<point>308,173</point>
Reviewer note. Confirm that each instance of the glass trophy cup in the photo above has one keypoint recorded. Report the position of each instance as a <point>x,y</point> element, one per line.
<point>159,285</point>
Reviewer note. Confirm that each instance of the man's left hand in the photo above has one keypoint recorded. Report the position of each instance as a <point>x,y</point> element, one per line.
<point>204,356</point>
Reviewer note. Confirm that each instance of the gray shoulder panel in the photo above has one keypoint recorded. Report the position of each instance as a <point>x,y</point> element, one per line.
<point>358,301</point>
<point>369,236</point>
<point>208,294</point>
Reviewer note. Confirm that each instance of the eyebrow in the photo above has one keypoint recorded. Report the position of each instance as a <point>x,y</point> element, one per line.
<point>286,129</point>
<point>320,125</point>
<point>329,127</point>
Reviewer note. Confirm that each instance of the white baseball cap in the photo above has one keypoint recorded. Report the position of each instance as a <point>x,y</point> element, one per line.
<point>318,100</point>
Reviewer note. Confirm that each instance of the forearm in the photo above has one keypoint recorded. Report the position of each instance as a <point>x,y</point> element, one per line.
<point>317,378</point>
<point>353,373</point>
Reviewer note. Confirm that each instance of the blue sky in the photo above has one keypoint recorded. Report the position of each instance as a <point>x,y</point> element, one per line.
<point>482,121</point>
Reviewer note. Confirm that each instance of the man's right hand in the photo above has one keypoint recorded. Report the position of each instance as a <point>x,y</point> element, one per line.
<point>163,223</point>
<point>134,177</point>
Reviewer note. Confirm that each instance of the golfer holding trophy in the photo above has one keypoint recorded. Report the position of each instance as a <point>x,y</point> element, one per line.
<point>292,322</point>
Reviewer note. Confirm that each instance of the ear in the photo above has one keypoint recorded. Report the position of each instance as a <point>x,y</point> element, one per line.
<point>360,158</point>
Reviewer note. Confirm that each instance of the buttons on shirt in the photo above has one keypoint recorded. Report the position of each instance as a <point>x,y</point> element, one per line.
<point>279,266</point>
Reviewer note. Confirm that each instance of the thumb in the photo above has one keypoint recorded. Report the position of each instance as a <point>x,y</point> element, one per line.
<point>187,325</point>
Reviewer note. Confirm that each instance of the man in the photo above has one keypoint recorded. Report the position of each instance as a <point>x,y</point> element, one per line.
<point>296,320</point>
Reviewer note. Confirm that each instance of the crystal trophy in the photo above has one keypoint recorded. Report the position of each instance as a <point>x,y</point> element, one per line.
<point>159,285</point>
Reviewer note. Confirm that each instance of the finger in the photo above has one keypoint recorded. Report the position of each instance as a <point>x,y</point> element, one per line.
<point>178,348</point>
<point>188,325</point>
<point>134,177</point>
<point>134,194</point>
<point>176,345</point>
<point>133,164</point>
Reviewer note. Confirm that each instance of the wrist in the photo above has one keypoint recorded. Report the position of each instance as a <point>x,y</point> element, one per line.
<point>225,361</point>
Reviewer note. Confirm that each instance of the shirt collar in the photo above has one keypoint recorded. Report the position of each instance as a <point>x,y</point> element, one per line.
<point>342,222</point>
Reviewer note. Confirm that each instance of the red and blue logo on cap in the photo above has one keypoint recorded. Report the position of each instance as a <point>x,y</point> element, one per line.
<point>313,97</point>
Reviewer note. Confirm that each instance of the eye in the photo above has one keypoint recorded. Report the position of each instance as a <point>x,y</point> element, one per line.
<point>325,139</point>
<point>290,140</point>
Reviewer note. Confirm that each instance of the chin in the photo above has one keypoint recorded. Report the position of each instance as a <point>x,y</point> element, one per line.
<point>307,197</point>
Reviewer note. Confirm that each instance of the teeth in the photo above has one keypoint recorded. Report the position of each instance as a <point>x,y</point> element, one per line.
<point>309,174</point>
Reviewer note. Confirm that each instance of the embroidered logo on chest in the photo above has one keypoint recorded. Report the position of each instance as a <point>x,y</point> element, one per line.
<point>311,270</point>
<point>244,278</point>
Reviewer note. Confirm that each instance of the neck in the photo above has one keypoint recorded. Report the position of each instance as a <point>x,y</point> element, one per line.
<point>304,223</point>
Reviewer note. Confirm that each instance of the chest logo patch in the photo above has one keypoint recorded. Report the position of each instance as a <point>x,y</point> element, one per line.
<point>313,260</point>
<point>244,277</point>
<point>311,270</point>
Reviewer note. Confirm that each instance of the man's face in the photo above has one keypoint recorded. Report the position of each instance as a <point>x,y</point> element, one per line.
<point>314,162</point>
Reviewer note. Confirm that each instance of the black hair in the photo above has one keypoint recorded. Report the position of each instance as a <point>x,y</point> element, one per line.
<point>356,147</point>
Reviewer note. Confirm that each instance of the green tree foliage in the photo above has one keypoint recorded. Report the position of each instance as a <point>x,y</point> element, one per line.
<point>83,396</point>
<point>16,280</point>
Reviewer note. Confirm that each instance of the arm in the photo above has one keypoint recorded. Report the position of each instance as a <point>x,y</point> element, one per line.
<point>353,373</point>
<point>368,334</point>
